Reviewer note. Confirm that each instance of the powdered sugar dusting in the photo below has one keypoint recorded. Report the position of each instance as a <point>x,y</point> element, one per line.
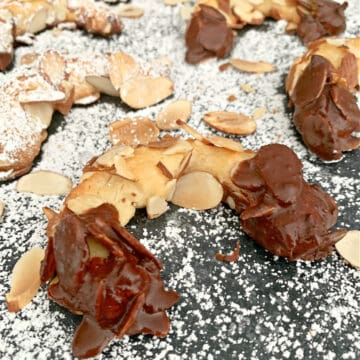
<point>259,307</point>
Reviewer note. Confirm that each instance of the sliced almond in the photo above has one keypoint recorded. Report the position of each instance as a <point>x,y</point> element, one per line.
<point>191,131</point>
<point>252,67</point>
<point>40,113</point>
<point>108,158</point>
<point>129,11</point>
<point>1,209</point>
<point>122,169</point>
<point>170,165</point>
<point>122,67</point>
<point>133,132</point>
<point>180,147</point>
<point>25,281</point>
<point>258,113</point>
<point>155,207</point>
<point>230,122</point>
<point>40,95</point>
<point>143,91</point>
<point>170,189</point>
<point>102,84</point>
<point>44,183</point>
<point>349,248</point>
<point>225,143</point>
<point>180,109</point>
<point>52,66</point>
<point>197,190</point>
<point>37,21</point>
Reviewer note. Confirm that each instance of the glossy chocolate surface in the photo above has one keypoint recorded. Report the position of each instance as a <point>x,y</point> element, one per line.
<point>284,214</point>
<point>117,288</point>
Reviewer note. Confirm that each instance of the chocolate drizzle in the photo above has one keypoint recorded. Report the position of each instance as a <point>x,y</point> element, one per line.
<point>100,270</point>
<point>283,213</point>
<point>207,35</point>
<point>326,113</point>
<point>321,18</point>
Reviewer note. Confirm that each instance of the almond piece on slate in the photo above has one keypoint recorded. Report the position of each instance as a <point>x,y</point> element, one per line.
<point>156,206</point>
<point>197,190</point>
<point>44,183</point>
<point>180,109</point>
<point>143,91</point>
<point>252,66</point>
<point>133,132</point>
<point>230,122</point>
<point>129,11</point>
<point>349,248</point>
<point>25,281</point>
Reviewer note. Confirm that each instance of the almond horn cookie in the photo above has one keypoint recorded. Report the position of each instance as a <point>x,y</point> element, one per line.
<point>113,280</point>
<point>30,17</point>
<point>209,33</point>
<point>321,85</point>
<point>51,82</point>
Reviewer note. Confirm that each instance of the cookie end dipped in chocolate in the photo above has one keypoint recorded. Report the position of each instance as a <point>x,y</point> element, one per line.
<point>285,215</point>
<point>321,18</point>
<point>207,35</point>
<point>326,113</point>
<point>101,271</point>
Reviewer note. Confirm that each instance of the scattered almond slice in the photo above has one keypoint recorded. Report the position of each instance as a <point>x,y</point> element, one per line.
<point>25,281</point>
<point>129,11</point>
<point>191,131</point>
<point>170,189</point>
<point>230,122</point>
<point>102,84</point>
<point>122,67</point>
<point>143,91</point>
<point>258,113</point>
<point>1,209</point>
<point>156,206</point>
<point>252,67</point>
<point>170,165</point>
<point>197,190</point>
<point>44,183</point>
<point>180,109</point>
<point>133,132</point>
<point>225,143</point>
<point>247,88</point>
<point>349,248</point>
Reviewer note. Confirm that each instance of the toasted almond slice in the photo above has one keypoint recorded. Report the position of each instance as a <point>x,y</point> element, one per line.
<point>108,158</point>
<point>44,183</point>
<point>230,122</point>
<point>37,21</point>
<point>25,281</point>
<point>258,113</point>
<point>197,190</point>
<point>349,248</point>
<point>40,95</point>
<point>52,67</point>
<point>40,113</point>
<point>170,165</point>
<point>102,84</point>
<point>129,11</point>
<point>122,67</point>
<point>143,91</point>
<point>252,67</point>
<point>170,189</point>
<point>133,132</point>
<point>167,141</point>
<point>1,209</point>
<point>122,169</point>
<point>225,143</point>
<point>180,109</point>
<point>156,206</point>
<point>191,131</point>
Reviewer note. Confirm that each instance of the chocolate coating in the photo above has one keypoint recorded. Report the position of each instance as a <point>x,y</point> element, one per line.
<point>207,35</point>
<point>120,293</point>
<point>324,18</point>
<point>286,215</point>
<point>326,114</point>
